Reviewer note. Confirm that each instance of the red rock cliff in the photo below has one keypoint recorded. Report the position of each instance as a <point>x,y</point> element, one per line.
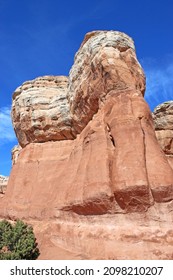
<point>89,148</point>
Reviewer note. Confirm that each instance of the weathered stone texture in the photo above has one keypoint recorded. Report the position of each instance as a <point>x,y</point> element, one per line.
<point>108,165</point>
<point>15,153</point>
<point>3,185</point>
<point>105,65</point>
<point>40,110</point>
<point>163,120</point>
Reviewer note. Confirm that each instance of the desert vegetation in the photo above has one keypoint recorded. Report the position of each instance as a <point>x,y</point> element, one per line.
<point>17,241</point>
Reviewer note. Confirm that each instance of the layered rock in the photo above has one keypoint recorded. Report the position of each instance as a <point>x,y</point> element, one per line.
<point>40,110</point>
<point>54,108</point>
<point>163,120</point>
<point>148,235</point>
<point>88,149</point>
<point>103,102</point>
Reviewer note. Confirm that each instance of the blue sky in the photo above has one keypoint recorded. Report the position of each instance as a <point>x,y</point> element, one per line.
<point>40,37</point>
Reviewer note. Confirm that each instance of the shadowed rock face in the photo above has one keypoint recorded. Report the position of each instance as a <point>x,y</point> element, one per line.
<point>89,145</point>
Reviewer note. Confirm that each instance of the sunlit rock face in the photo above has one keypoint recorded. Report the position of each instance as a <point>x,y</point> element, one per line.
<point>163,121</point>
<point>96,115</point>
<point>40,110</point>
<point>104,65</point>
<point>90,156</point>
<point>3,185</point>
<point>52,108</point>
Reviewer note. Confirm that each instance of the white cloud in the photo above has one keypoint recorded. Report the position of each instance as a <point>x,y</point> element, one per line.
<point>159,83</point>
<point>6,128</point>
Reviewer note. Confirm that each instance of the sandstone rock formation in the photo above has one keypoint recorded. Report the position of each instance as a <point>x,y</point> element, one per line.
<point>88,157</point>
<point>53,108</point>
<point>15,153</point>
<point>163,120</point>
<point>40,110</point>
<point>146,235</point>
<point>3,185</point>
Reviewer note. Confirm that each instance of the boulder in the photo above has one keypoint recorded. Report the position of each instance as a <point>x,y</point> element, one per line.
<point>40,110</point>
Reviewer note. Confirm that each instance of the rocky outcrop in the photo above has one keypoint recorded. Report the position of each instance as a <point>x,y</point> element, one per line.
<point>89,150</point>
<point>40,110</point>
<point>105,65</point>
<point>15,153</point>
<point>163,120</point>
<point>52,108</point>
<point>3,185</point>
<point>102,101</point>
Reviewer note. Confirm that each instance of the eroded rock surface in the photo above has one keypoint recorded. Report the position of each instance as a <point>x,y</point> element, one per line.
<point>40,110</point>
<point>89,149</point>
<point>147,235</point>
<point>163,120</point>
<point>53,108</point>
<point>15,153</point>
<point>3,185</point>
<point>105,64</point>
<point>109,165</point>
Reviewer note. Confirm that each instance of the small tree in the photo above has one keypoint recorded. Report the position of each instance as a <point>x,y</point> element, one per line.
<point>17,241</point>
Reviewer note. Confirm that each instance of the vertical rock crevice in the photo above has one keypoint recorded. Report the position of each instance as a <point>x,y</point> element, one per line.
<point>110,136</point>
<point>151,199</point>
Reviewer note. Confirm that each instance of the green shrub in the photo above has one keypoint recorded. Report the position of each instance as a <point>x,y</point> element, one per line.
<point>17,242</point>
